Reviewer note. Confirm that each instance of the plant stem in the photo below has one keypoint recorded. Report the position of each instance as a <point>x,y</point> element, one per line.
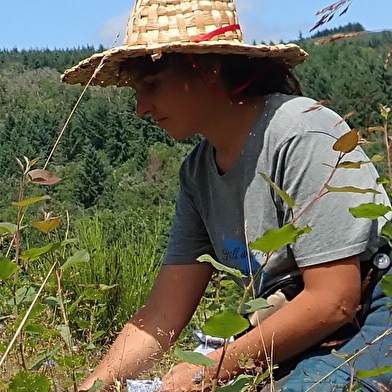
<point>322,192</point>
<point>59,276</point>
<point>18,220</point>
<point>27,315</point>
<point>22,356</point>
<point>388,150</point>
<point>352,357</point>
<point>16,274</point>
<point>222,357</point>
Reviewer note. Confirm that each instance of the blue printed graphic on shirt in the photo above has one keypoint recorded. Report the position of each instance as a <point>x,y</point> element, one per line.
<point>239,255</point>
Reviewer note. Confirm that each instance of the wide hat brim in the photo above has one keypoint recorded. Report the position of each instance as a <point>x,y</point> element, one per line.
<point>103,68</point>
<point>156,27</point>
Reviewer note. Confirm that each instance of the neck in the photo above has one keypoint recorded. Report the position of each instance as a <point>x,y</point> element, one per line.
<point>232,122</point>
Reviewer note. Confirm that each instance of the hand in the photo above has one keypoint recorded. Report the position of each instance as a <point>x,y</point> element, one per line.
<point>186,378</point>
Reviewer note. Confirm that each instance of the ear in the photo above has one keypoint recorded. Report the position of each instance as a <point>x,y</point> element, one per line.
<point>210,70</point>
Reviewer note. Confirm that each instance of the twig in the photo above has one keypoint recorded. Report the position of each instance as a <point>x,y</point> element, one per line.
<point>73,111</point>
<point>329,12</point>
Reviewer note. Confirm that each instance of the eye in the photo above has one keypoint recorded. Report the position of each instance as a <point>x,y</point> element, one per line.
<point>151,83</point>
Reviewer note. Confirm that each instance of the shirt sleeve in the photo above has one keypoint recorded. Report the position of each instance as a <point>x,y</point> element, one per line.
<point>306,162</point>
<point>188,238</point>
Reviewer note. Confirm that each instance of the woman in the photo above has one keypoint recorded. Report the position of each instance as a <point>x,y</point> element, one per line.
<point>193,74</point>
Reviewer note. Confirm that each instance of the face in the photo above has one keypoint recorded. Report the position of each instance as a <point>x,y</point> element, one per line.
<point>175,102</point>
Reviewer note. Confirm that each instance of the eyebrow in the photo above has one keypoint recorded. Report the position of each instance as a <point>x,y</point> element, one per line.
<point>137,75</point>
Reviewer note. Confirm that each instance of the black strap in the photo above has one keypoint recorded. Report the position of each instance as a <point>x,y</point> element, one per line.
<point>371,274</point>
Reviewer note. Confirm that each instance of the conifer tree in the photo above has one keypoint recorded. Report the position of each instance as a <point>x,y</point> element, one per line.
<point>91,178</point>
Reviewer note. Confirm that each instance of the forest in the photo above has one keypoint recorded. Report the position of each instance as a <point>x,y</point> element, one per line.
<point>119,172</point>
<point>110,158</point>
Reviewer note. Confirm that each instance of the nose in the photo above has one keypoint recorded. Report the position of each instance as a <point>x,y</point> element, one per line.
<point>143,104</point>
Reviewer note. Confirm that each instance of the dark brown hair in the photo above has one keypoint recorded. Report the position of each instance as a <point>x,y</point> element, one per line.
<point>240,74</point>
<point>258,76</point>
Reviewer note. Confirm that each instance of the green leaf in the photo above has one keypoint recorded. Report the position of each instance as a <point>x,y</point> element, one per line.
<point>74,306</point>
<point>51,301</point>
<point>7,268</point>
<point>98,384</point>
<point>344,356</point>
<point>36,311</point>
<point>351,165</point>
<point>35,253</point>
<point>65,333</point>
<point>253,305</point>
<point>386,285</point>
<point>386,231</point>
<point>46,226</point>
<point>213,307</point>
<point>6,227</point>
<point>83,324</point>
<point>277,238</point>
<point>357,387</point>
<point>35,329</point>
<point>225,325</point>
<point>227,283</point>
<point>72,361</point>
<point>377,158</point>
<point>240,384</point>
<point>104,287</point>
<point>81,256</point>
<point>384,110</point>
<point>40,361</point>
<point>370,210</point>
<point>351,189</point>
<point>28,382</point>
<point>98,334</point>
<point>69,241</point>
<point>220,267</point>
<point>383,180</point>
<point>358,164</point>
<point>31,200</point>
<point>362,374</point>
<point>285,197</point>
<point>24,295</point>
<point>193,358</point>
<point>93,294</point>
<point>265,375</point>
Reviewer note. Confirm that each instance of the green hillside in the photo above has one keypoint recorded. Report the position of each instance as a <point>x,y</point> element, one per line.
<point>109,156</point>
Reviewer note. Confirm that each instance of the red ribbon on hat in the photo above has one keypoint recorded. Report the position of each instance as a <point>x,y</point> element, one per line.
<point>207,37</point>
<point>221,30</point>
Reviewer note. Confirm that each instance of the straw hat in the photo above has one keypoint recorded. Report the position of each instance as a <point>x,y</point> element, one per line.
<point>156,27</point>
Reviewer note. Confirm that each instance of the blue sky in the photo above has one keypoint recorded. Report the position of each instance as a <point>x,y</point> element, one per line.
<point>71,23</point>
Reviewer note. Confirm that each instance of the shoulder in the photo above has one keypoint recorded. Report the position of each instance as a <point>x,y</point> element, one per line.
<point>300,110</point>
<point>296,116</point>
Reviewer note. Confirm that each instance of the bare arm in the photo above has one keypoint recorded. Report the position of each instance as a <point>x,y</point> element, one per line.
<point>151,331</point>
<point>329,300</point>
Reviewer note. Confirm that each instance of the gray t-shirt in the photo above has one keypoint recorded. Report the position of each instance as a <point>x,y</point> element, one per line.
<point>291,142</point>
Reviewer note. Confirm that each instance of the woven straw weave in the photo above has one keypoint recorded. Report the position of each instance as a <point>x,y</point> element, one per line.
<point>156,27</point>
<point>175,21</point>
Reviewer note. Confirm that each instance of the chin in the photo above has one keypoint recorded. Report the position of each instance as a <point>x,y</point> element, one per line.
<point>180,135</point>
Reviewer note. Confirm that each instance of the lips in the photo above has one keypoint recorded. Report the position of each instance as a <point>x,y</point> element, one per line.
<point>159,121</point>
